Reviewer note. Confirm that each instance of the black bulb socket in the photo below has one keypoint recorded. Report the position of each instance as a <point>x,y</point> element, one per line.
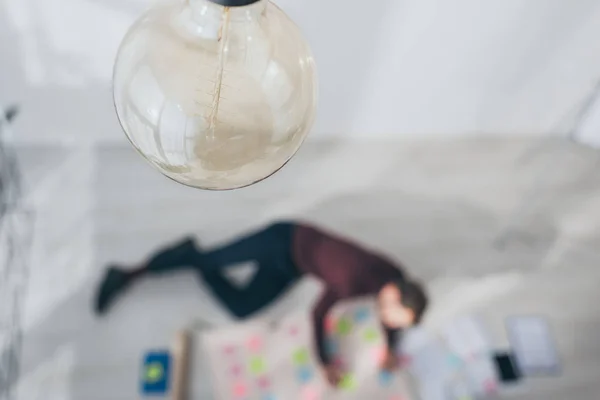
<point>234,3</point>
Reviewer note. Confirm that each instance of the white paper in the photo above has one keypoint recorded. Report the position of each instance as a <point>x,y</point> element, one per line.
<point>481,375</point>
<point>466,337</point>
<point>533,345</point>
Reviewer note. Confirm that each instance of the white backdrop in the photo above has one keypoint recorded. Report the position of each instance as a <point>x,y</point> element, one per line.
<point>388,68</point>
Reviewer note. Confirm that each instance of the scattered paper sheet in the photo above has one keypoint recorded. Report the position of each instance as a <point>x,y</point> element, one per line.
<point>532,343</point>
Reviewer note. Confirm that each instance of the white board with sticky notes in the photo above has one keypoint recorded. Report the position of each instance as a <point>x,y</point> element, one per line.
<point>255,361</point>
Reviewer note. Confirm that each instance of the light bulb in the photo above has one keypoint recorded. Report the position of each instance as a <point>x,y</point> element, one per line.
<point>216,94</point>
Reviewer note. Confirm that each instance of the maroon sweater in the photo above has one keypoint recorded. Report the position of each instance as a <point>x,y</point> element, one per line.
<point>347,271</point>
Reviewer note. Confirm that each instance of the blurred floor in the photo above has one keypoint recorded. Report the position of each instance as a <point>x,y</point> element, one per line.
<point>438,206</point>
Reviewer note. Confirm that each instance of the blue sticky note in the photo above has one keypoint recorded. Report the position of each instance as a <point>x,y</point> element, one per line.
<point>454,361</point>
<point>156,372</point>
<point>269,396</point>
<point>304,374</point>
<point>385,378</point>
<point>361,315</point>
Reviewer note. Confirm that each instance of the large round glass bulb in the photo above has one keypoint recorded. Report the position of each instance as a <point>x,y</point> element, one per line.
<point>215,97</point>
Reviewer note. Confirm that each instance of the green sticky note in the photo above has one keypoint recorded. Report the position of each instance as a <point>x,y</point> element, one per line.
<point>371,335</point>
<point>257,365</point>
<point>154,372</point>
<point>348,382</point>
<point>300,357</point>
<point>344,326</point>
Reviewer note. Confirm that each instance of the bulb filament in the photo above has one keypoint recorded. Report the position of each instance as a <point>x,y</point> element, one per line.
<point>223,43</point>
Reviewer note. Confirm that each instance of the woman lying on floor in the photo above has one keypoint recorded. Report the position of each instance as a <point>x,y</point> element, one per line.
<point>284,253</point>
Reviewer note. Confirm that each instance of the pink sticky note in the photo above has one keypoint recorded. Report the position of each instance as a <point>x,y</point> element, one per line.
<point>329,324</point>
<point>378,354</point>
<point>255,344</point>
<point>397,397</point>
<point>264,382</point>
<point>239,390</point>
<point>309,393</point>
<point>236,370</point>
<point>294,330</point>
<point>490,386</point>
<point>229,350</point>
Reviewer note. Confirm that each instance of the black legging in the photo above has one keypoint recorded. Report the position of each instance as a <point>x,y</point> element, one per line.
<point>270,248</point>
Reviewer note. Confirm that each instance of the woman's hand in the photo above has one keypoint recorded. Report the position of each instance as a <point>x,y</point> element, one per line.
<point>391,362</point>
<point>333,374</point>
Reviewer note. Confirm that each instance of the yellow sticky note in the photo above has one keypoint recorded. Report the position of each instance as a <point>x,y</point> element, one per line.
<point>348,382</point>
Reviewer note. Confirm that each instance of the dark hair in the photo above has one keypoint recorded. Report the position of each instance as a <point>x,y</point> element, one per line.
<point>414,297</point>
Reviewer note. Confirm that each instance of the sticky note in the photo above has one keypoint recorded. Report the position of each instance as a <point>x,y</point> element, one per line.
<point>257,365</point>
<point>229,350</point>
<point>304,374</point>
<point>329,324</point>
<point>348,382</point>
<point>268,396</point>
<point>378,354</point>
<point>264,382</point>
<point>371,335</point>
<point>385,378</point>
<point>344,326</point>
<point>254,344</point>
<point>490,386</point>
<point>155,372</point>
<point>454,361</point>
<point>309,393</point>
<point>239,390</point>
<point>236,370</point>
<point>300,356</point>
<point>339,362</point>
<point>294,330</point>
<point>361,315</point>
